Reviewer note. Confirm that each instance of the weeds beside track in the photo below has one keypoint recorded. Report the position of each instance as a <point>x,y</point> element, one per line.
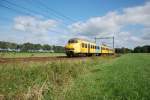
<point>103,78</point>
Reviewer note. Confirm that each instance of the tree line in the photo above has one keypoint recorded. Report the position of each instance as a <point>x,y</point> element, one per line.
<point>138,49</point>
<point>26,47</point>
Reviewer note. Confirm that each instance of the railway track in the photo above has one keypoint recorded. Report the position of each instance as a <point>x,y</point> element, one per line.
<point>45,59</point>
<point>38,59</point>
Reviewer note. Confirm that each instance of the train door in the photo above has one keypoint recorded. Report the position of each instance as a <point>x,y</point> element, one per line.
<point>97,49</point>
<point>88,48</point>
<point>100,49</point>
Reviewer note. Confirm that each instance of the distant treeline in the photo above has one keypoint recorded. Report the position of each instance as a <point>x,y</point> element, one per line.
<point>139,49</point>
<point>27,47</point>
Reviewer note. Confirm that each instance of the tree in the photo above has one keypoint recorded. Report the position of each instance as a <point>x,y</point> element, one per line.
<point>58,49</point>
<point>47,47</point>
<point>143,49</point>
<point>12,45</point>
<point>27,47</point>
<point>137,49</point>
<point>123,50</point>
<point>37,46</point>
<point>3,45</point>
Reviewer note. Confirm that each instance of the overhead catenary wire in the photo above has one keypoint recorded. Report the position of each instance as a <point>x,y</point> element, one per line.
<point>46,10</point>
<point>17,11</point>
<point>56,12</point>
<point>12,9</point>
<point>24,8</point>
<point>30,12</point>
<point>58,15</point>
<point>100,38</point>
<point>25,11</point>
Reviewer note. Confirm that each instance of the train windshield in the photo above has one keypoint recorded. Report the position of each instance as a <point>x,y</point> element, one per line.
<point>72,41</point>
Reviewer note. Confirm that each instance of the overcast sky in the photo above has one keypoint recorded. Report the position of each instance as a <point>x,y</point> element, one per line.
<point>56,21</point>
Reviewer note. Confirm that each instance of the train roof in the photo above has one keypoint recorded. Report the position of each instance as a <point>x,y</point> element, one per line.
<point>80,39</point>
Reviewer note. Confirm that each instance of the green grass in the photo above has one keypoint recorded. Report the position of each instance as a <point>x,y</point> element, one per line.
<point>26,54</point>
<point>125,78</point>
<point>105,78</point>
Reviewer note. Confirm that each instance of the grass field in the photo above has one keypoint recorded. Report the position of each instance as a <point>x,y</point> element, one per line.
<point>105,78</point>
<point>25,54</point>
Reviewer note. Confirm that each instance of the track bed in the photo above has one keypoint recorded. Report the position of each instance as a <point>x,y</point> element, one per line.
<point>38,59</point>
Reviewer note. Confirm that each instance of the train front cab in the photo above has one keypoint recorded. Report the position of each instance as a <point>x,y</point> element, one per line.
<point>72,47</point>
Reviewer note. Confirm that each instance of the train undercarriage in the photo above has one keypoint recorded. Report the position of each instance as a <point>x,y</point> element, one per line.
<point>72,54</point>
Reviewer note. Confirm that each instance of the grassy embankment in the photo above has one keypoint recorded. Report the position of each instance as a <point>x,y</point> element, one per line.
<point>105,78</point>
<point>26,54</point>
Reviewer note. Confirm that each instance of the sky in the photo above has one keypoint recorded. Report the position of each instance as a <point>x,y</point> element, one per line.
<point>54,22</point>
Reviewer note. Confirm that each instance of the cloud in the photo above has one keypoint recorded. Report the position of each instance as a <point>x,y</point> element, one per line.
<point>33,24</point>
<point>137,15</point>
<point>127,39</point>
<point>97,25</point>
<point>113,23</point>
<point>146,33</point>
<point>35,29</point>
<point>146,36</point>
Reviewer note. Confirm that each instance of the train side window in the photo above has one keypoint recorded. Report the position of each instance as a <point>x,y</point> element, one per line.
<point>82,45</point>
<point>97,47</point>
<point>85,45</point>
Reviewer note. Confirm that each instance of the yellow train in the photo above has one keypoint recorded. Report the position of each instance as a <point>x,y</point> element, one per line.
<point>76,46</point>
